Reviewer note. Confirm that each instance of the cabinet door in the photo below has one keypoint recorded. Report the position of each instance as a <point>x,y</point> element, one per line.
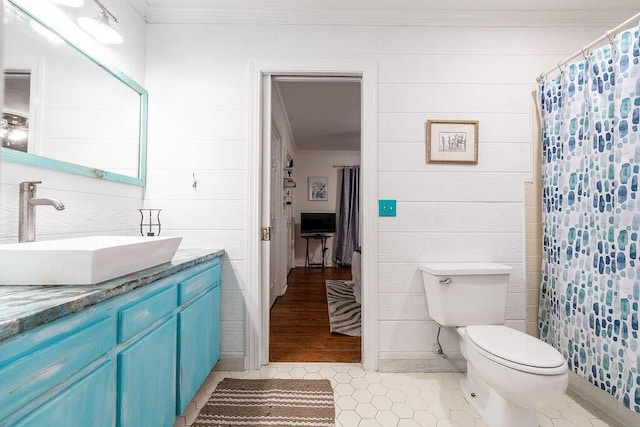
<point>147,379</point>
<point>199,344</point>
<point>88,402</point>
<point>41,367</point>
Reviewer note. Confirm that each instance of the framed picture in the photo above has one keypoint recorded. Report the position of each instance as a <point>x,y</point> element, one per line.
<point>452,141</point>
<point>318,188</point>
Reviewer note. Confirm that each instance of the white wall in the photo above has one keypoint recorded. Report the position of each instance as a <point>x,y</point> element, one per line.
<point>200,73</point>
<point>92,206</point>
<point>318,163</point>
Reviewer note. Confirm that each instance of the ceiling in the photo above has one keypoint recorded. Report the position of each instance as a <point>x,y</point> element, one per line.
<point>324,114</point>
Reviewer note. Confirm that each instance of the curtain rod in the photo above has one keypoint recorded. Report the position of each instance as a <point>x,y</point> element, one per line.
<point>610,35</point>
<point>345,166</point>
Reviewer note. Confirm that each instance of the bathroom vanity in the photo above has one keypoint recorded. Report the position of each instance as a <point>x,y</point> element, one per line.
<point>131,351</point>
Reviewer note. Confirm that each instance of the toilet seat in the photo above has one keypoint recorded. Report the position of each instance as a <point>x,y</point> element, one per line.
<point>515,349</point>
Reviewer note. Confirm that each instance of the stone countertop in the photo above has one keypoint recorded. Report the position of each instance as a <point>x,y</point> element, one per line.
<point>26,307</point>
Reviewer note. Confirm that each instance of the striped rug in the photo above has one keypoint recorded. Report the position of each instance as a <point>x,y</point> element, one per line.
<point>344,311</point>
<point>269,402</point>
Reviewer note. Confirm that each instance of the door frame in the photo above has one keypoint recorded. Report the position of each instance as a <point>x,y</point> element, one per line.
<point>257,299</point>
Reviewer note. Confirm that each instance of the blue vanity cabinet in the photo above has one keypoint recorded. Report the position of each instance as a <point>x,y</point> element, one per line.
<point>199,332</point>
<point>135,359</point>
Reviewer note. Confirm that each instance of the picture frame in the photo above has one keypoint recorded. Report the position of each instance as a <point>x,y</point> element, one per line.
<point>318,188</point>
<point>452,141</point>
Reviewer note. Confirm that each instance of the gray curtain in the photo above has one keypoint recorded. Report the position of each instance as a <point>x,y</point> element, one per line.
<point>347,222</point>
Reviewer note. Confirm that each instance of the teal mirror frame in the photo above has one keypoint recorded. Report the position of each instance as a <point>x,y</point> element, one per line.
<point>62,166</point>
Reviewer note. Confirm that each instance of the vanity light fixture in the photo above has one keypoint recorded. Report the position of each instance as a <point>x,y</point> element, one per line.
<point>100,27</point>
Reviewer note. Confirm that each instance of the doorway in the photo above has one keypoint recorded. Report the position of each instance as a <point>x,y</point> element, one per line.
<point>258,308</point>
<point>317,120</point>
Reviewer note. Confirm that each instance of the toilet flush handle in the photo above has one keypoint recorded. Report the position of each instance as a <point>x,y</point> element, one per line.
<point>446,281</point>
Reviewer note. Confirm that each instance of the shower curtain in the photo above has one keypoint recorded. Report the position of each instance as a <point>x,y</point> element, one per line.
<point>348,222</point>
<point>591,216</point>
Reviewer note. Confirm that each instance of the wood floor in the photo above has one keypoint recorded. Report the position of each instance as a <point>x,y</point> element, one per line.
<point>300,321</point>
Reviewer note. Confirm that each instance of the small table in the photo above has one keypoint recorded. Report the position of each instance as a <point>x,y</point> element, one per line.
<point>323,238</point>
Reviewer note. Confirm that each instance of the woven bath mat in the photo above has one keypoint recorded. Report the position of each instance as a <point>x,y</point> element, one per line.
<point>269,402</point>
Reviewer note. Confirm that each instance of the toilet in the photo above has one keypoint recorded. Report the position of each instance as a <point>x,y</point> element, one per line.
<point>509,373</point>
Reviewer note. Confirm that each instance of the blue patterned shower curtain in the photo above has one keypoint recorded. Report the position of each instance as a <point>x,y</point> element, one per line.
<point>591,216</point>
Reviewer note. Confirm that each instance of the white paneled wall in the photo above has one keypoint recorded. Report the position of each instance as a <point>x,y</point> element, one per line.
<point>198,80</point>
<point>92,206</point>
<point>445,212</point>
<point>198,124</point>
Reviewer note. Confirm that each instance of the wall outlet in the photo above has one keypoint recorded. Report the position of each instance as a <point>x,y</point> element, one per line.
<point>386,208</point>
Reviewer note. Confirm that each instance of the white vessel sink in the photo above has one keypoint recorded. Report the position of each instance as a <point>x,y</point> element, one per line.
<point>83,260</point>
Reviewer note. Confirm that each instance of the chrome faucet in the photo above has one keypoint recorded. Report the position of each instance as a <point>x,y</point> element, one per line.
<point>27,210</point>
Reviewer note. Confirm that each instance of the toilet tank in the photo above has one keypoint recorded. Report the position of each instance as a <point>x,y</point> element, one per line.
<point>461,294</point>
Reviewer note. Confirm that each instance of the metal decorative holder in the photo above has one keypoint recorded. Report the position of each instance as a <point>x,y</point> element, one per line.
<point>150,222</point>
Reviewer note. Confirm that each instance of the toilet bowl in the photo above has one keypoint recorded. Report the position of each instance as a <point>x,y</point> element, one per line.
<point>509,373</point>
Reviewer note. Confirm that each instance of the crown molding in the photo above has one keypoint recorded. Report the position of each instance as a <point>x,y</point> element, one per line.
<point>435,18</point>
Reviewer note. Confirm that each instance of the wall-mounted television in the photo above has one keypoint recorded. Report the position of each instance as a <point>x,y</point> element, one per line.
<point>317,223</point>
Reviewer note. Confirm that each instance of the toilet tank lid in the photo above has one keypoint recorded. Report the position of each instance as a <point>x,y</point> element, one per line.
<point>465,268</point>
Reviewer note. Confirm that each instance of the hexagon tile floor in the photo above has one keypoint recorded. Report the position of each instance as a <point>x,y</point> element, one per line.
<point>395,399</point>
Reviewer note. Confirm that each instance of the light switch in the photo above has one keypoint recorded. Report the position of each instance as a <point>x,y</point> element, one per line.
<point>386,208</point>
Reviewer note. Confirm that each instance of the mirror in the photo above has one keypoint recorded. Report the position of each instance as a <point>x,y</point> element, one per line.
<point>64,110</point>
